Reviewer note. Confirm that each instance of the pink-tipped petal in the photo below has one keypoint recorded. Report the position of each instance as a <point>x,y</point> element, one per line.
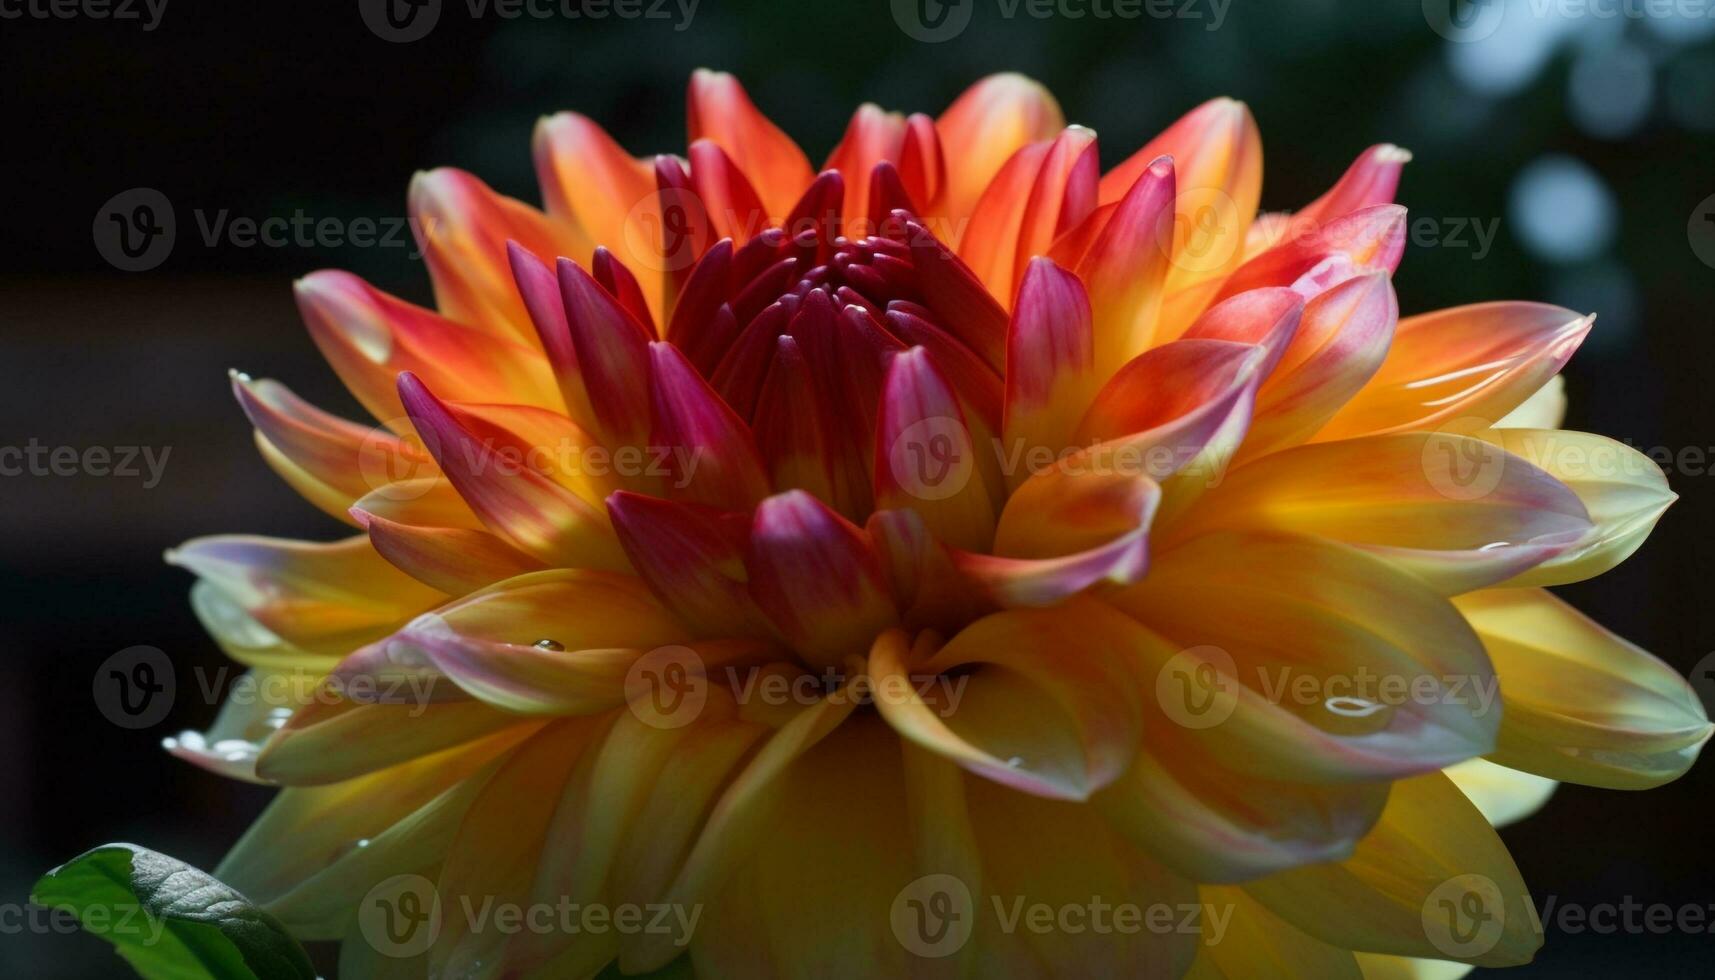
<point>817,577</point>
<point>719,109</point>
<point>925,459</point>
<point>706,453</point>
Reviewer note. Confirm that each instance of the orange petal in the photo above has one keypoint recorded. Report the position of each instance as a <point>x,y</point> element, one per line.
<point>981,130</point>
<point>719,109</point>
<point>462,227</point>
<point>370,337</point>
<point>1467,363</point>
<point>1406,498</point>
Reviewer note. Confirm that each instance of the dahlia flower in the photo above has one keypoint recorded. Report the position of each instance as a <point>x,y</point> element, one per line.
<point>859,562</point>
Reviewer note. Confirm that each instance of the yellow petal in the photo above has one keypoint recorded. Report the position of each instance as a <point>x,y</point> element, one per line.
<point>1503,795</point>
<point>1432,880</point>
<point>1581,704</point>
<point>1623,490</point>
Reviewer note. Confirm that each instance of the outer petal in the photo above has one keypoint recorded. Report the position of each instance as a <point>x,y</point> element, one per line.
<point>1403,497</point>
<point>872,136</point>
<point>1029,718</point>
<point>718,109</point>
<point>1624,491</point>
<point>1197,815</point>
<point>1217,153</point>
<point>1581,704</point>
<point>1257,945</point>
<point>1127,268</point>
<point>1431,859</point>
<point>1465,363</point>
<point>1310,661</point>
<point>327,598</point>
<point>1045,189</point>
<point>370,337</point>
<point>983,128</point>
<point>329,460</point>
<point>591,183</point>
<point>1504,796</point>
<point>462,227</point>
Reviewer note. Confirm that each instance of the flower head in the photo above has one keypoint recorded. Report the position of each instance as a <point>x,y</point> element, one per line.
<point>854,559</point>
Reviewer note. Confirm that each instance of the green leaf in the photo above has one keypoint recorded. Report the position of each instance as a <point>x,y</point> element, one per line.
<point>169,920</point>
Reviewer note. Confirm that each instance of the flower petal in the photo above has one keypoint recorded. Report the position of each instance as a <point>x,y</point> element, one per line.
<point>1581,704</point>
<point>370,337</point>
<point>817,577</point>
<point>1341,341</point>
<point>983,128</point>
<point>1257,945</point>
<point>1624,491</point>
<point>1051,373</point>
<point>1127,266</point>
<point>1504,796</point>
<point>693,557</point>
<point>1407,498</point>
<point>1431,859</point>
<point>462,227</point>
<point>1468,362</point>
<point>719,109</point>
<point>921,427</point>
<point>1027,717</point>
<point>589,182</point>
<point>526,507</point>
<point>1326,664</point>
<point>1045,188</point>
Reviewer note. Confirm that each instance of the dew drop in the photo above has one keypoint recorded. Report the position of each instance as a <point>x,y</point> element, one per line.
<point>554,645</point>
<point>1346,715</point>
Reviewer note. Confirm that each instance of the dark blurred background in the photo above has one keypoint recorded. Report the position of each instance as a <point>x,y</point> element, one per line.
<point>1574,149</point>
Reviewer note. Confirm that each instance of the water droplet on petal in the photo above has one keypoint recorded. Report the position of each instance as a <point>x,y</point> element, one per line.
<point>555,645</point>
